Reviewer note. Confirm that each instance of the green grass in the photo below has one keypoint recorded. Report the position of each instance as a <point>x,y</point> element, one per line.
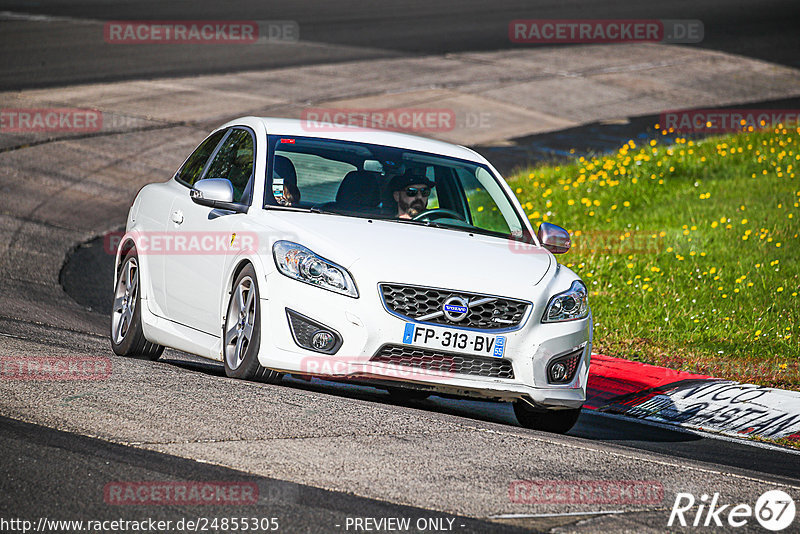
<point>690,250</point>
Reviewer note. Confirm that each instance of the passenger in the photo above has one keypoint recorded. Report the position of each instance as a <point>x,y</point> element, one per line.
<point>289,193</point>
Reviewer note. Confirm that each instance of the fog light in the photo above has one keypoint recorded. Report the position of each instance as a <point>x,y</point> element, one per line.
<point>313,335</point>
<point>558,372</point>
<point>324,340</point>
<point>561,370</point>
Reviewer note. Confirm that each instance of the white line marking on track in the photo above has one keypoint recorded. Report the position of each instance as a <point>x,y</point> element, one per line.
<point>563,514</point>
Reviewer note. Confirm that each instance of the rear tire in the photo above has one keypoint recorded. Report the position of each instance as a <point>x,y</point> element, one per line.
<point>241,335</point>
<point>556,421</point>
<point>127,335</point>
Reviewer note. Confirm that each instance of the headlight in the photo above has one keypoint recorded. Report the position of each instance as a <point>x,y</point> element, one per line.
<point>296,261</point>
<point>570,305</point>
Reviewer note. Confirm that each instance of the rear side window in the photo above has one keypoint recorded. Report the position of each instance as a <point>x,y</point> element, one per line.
<point>234,161</point>
<point>193,168</point>
<point>317,178</point>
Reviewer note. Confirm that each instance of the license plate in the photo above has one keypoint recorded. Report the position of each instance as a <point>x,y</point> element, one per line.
<point>454,340</point>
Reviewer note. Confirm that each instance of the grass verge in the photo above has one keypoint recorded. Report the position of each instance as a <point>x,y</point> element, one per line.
<point>690,250</point>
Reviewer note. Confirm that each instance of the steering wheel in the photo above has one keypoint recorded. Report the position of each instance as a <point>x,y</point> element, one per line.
<point>438,213</point>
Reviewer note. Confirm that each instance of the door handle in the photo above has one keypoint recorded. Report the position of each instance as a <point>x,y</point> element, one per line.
<point>177,217</point>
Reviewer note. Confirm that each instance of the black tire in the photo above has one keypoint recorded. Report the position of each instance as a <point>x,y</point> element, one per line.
<point>407,394</point>
<point>244,367</point>
<point>556,421</point>
<point>127,335</point>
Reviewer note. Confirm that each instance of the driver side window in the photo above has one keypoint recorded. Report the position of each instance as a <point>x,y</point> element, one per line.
<point>234,161</point>
<point>193,168</point>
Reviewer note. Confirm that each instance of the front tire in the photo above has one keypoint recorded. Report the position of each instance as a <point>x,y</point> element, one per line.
<point>556,421</point>
<point>127,335</point>
<point>241,334</point>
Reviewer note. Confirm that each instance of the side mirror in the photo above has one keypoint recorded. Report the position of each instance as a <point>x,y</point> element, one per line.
<point>215,193</point>
<point>554,238</point>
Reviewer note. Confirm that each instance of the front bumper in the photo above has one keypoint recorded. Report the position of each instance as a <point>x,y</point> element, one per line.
<point>365,326</point>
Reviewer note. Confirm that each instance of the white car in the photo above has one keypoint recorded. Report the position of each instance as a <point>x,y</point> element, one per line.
<point>281,246</point>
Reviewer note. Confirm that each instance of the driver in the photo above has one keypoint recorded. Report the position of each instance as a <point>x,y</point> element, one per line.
<point>411,191</point>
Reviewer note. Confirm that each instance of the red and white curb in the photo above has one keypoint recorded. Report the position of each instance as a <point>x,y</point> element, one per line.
<point>662,395</point>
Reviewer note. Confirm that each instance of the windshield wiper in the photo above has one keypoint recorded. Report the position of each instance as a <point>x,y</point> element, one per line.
<point>457,227</point>
<point>418,223</point>
<point>317,209</point>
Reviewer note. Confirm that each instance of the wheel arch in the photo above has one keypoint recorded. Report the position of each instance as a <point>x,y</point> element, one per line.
<point>127,243</point>
<point>239,266</point>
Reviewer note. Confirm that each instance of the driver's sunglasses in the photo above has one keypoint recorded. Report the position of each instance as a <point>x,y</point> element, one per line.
<point>411,192</point>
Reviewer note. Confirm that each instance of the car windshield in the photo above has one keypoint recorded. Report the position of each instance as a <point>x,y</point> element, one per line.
<point>375,181</point>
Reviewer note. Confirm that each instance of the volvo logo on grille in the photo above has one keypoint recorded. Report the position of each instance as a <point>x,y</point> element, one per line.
<point>455,309</point>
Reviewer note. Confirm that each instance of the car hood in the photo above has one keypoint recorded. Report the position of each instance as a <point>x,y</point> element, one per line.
<point>377,251</point>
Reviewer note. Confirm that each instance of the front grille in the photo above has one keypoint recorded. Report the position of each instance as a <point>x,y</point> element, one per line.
<point>444,362</point>
<point>425,304</point>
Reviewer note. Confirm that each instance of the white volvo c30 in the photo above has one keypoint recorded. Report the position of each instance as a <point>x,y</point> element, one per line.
<point>282,246</point>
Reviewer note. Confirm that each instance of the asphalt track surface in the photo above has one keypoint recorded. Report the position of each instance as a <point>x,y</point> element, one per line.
<point>60,473</point>
<point>79,467</point>
<point>65,44</point>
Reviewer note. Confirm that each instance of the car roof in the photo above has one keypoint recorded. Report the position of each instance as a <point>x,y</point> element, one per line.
<point>303,128</point>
